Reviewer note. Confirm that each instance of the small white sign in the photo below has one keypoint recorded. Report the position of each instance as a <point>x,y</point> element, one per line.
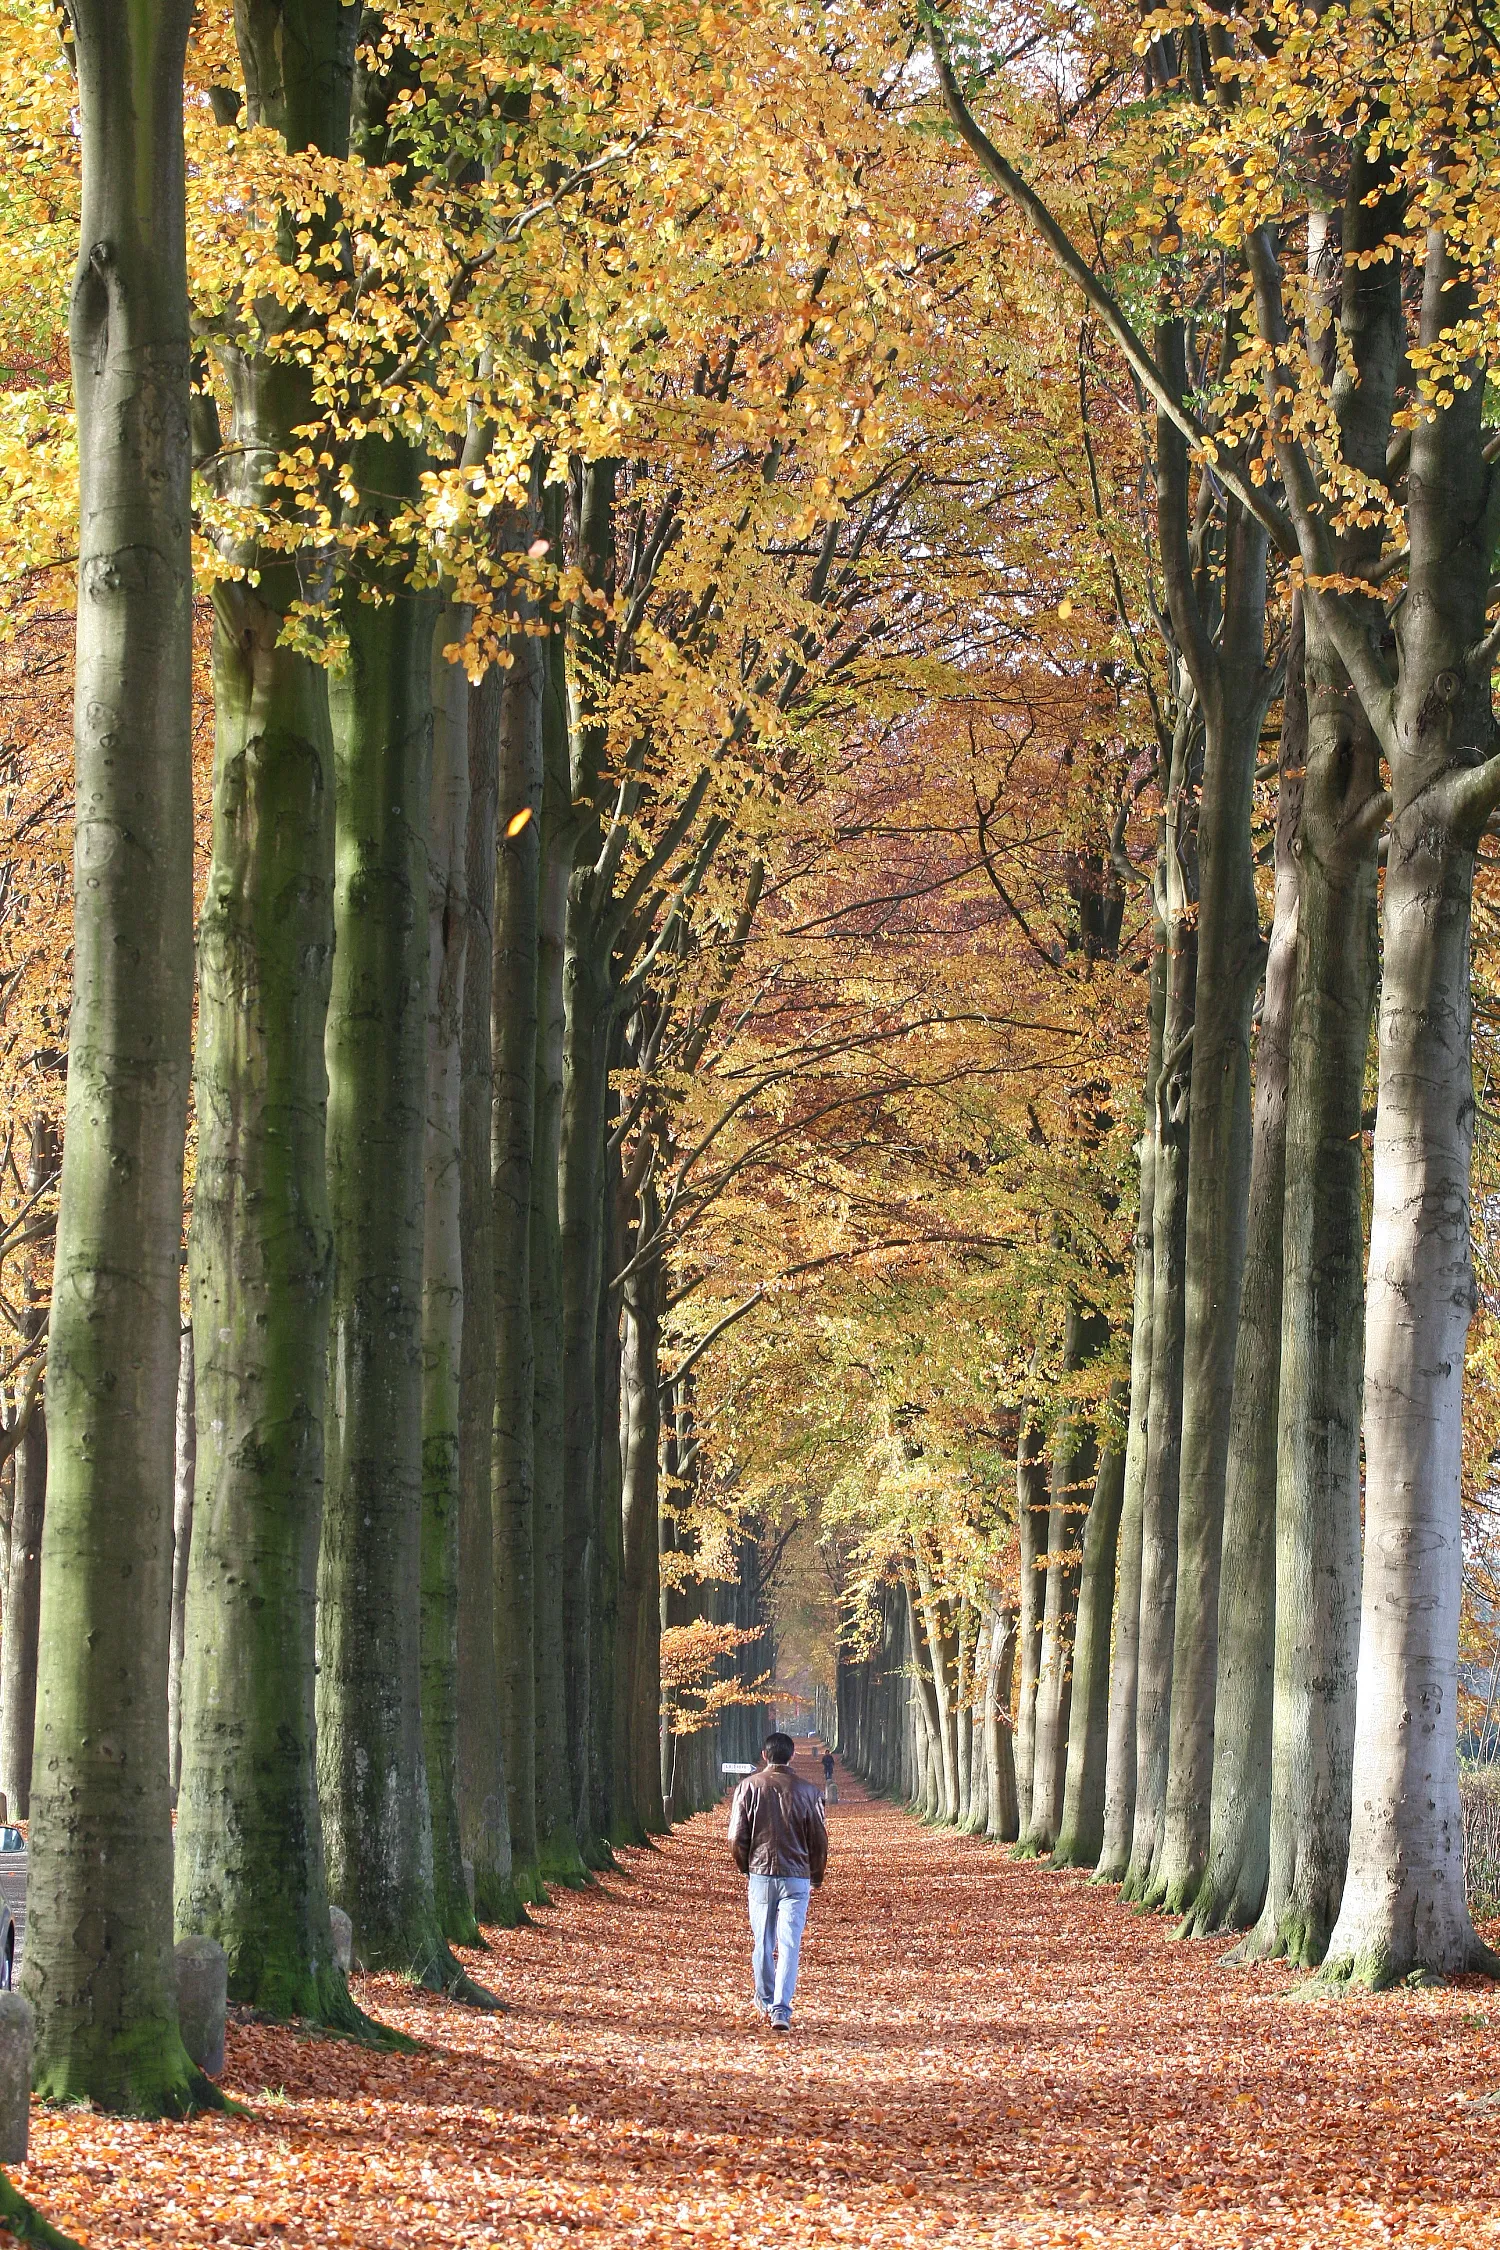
<point>736,1769</point>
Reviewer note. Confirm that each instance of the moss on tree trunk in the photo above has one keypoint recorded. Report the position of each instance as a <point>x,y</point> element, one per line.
<point>99,1938</point>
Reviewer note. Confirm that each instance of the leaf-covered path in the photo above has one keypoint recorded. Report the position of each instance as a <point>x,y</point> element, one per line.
<point>984,2052</point>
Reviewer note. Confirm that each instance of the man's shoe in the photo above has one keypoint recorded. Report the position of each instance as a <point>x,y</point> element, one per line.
<point>781,2023</point>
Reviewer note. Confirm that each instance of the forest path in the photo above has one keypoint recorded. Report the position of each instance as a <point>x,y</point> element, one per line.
<point>985,2053</point>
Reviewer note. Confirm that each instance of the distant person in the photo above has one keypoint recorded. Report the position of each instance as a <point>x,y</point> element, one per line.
<point>827,1767</point>
<point>779,1837</point>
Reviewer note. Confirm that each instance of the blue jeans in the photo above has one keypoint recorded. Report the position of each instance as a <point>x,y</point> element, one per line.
<point>778,1910</point>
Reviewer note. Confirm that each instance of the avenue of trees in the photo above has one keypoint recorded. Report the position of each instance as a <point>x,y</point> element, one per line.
<point>782,741</point>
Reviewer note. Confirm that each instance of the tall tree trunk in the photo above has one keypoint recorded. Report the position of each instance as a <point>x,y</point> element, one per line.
<point>613,1818</point>
<point>941,1654</point>
<point>99,1934</point>
<point>1318,1484</point>
<point>22,1615</point>
<point>588,1004</point>
<point>932,1788</point>
<point>640,1608</point>
<point>442,1272</point>
<point>21,1591</point>
<point>1074,1461</point>
<point>371,1769</point>
<point>964,1711</point>
<point>1403,1909</point>
<point>1031,1529</point>
<point>977,1817</point>
<point>1002,1820</point>
<point>483,1810</point>
<point>1322,1359</point>
<point>1230,958</point>
<point>518,1596</point>
<point>183,1481</point>
<point>1119,1777</point>
<point>1080,1836</point>
<point>1169,1124</point>
<point>1234,1882</point>
<point>249,1863</point>
<point>558,1843</point>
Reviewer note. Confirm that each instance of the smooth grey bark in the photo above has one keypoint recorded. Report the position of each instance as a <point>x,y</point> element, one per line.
<point>182,1543</point>
<point>371,1768</point>
<point>560,1858</point>
<point>1074,1461</point>
<point>98,1966</point>
<point>588,999</point>
<point>1002,1820</point>
<point>1031,1523</point>
<point>640,1607</point>
<point>1234,1881</point>
<point>1403,1909</point>
<point>1234,685</point>
<point>443,1270</point>
<point>941,1645</point>
<point>1119,1774</point>
<point>932,1798</point>
<point>1169,1126</point>
<point>513,1022</point>
<point>1080,1836</point>
<point>978,1814</point>
<point>1318,1482</point>
<point>610,1810</point>
<point>483,1806</point>
<point>964,1697</point>
<point>22,1615</point>
<point>21,1535</point>
<point>249,1858</point>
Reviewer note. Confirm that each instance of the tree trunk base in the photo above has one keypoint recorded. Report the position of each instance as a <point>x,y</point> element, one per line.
<point>501,1901</point>
<point>560,1861</point>
<point>1298,1941</point>
<point>449,1977</point>
<point>1216,1909</point>
<point>165,2092</point>
<point>459,1923</point>
<point>25,2222</point>
<point>1384,1965</point>
<point>1177,1895</point>
<point>527,1885</point>
<point>321,2003</point>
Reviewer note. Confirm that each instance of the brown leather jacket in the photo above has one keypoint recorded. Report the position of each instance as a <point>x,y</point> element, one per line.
<point>777,1826</point>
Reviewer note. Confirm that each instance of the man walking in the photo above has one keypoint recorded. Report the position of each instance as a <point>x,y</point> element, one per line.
<point>779,1837</point>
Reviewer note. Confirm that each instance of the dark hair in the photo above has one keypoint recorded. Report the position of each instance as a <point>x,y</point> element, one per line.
<point>779,1748</point>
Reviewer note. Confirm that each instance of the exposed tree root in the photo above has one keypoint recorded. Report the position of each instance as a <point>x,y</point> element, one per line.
<point>23,2220</point>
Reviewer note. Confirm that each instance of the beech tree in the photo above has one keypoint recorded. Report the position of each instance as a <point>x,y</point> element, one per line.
<point>249,1862</point>
<point>99,1942</point>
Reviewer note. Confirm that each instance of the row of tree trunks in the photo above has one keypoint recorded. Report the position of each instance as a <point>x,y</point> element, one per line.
<point>886,1709</point>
